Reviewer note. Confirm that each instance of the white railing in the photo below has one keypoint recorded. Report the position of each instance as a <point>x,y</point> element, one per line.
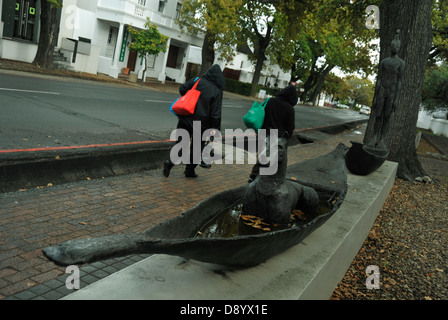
<point>138,9</point>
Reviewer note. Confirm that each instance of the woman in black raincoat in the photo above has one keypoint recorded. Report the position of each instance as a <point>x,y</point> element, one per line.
<point>280,115</point>
<point>207,112</point>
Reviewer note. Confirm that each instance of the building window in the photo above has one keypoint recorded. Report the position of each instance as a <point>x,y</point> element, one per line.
<point>111,42</point>
<point>178,7</point>
<point>142,2</point>
<point>111,33</point>
<point>162,4</point>
<point>24,19</point>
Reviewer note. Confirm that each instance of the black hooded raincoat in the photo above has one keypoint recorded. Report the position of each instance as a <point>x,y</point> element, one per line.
<point>279,111</point>
<point>208,108</point>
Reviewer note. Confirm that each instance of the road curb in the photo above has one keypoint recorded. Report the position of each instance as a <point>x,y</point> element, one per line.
<point>32,170</point>
<point>39,169</point>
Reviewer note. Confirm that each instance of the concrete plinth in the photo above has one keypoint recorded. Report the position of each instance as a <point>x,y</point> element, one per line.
<point>310,270</point>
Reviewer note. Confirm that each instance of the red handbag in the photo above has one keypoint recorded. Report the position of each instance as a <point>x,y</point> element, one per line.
<point>185,105</point>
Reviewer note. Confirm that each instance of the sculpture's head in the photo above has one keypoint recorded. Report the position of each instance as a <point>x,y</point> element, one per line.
<point>274,156</point>
<point>277,147</point>
<point>282,148</point>
<point>396,43</point>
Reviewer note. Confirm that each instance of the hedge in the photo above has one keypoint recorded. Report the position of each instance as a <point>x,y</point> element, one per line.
<point>244,88</point>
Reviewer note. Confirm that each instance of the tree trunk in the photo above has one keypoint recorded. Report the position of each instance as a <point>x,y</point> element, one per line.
<point>47,37</point>
<point>320,83</point>
<point>413,18</point>
<point>263,43</point>
<point>258,67</point>
<point>144,67</point>
<point>309,83</point>
<point>208,52</point>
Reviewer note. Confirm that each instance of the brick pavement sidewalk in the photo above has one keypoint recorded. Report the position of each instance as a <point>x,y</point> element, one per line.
<point>34,219</point>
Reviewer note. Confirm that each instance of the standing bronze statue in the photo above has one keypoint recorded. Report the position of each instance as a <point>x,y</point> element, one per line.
<point>387,93</point>
<point>364,159</point>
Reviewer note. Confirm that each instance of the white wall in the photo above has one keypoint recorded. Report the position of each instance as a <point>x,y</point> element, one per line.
<point>195,55</point>
<point>16,50</point>
<point>78,19</point>
<point>439,127</point>
<point>426,121</point>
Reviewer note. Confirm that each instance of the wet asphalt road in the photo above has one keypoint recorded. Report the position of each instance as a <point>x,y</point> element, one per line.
<point>41,111</point>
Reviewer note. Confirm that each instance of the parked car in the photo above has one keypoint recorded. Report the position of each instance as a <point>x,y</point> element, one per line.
<point>364,110</point>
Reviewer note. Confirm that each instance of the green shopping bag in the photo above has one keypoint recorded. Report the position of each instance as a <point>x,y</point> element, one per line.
<point>254,118</point>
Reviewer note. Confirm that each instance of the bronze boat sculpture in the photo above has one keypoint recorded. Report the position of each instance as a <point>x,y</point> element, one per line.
<point>186,235</point>
<point>362,160</point>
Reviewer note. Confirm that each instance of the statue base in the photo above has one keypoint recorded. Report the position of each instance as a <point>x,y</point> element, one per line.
<point>363,160</point>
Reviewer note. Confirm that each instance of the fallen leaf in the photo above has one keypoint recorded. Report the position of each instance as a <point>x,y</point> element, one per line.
<point>57,158</point>
<point>49,185</point>
<point>88,178</point>
<point>132,207</point>
<point>247,217</point>
<point>83,222</point>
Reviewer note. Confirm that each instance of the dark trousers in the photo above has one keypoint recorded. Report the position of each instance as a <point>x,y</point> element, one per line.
<point>190,167</point>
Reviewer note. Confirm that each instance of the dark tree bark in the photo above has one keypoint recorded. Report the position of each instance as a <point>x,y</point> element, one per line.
<point>262,45</point>
<point>208,52</point>
<point>320,82</point>
<point>311,81</point>
<point>47,37</point>
<point>413,19</point>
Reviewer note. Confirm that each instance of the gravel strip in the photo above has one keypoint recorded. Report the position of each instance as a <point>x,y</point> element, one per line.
<point>409,245</point>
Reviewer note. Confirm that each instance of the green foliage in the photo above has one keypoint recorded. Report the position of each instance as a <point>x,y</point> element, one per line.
<point>440,30</point>
<point>361,90</point>
<point>334,32</point>
<point>352,88</point>
<point>147,41</point>
<point>337,87</point>
<point>271,28</point>
<point>435,88</point>
<point>216,17</point>
<point>55,3</point>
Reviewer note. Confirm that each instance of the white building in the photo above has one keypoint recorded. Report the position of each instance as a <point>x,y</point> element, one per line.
<point>93,36</point>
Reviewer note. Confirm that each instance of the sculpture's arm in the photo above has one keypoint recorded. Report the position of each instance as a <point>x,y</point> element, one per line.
<point>399,86</point>
<point>378,86</point>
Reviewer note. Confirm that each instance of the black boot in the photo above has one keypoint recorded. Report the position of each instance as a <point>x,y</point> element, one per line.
<point>189,173</point>
<point>204,165</point>
<point>167,168</point>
